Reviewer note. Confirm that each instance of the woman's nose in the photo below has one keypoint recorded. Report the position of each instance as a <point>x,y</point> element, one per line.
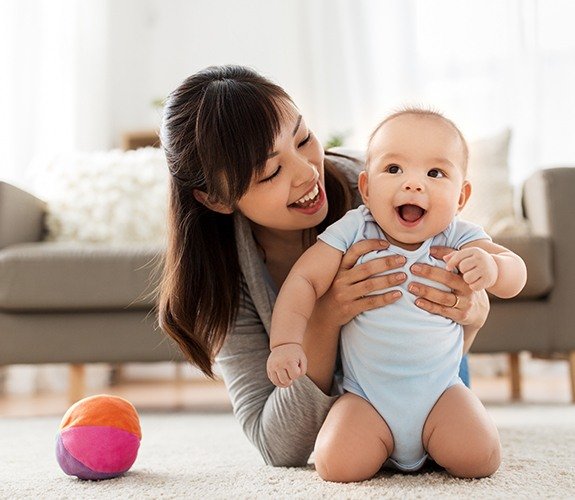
<point>305,172</point>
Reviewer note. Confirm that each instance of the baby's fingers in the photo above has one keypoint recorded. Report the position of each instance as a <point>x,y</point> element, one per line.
<point>451,261</point>
<point>283,378</point>
<point>296,370</point>
<point>454,259</point>
<point>472,276</point>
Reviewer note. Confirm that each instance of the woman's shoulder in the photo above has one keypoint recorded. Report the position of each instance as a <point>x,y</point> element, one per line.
<point>350,162</point>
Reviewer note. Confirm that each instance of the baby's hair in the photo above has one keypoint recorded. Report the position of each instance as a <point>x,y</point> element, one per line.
<point>423,112</point>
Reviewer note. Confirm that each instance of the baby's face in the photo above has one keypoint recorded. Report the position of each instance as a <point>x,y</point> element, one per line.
<point>414,183</point>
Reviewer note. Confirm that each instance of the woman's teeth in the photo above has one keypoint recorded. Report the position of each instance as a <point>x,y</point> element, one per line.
<point>311,196</point>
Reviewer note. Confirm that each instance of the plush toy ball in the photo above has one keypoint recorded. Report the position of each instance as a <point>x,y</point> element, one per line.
<point>99,438</point>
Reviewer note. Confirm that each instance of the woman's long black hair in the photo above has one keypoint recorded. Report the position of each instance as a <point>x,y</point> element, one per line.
<point>218,128</point>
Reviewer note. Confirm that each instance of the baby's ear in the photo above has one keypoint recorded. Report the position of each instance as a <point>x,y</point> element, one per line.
<point>215,206</point>
<point>362,187</point>
<point>463,195</point>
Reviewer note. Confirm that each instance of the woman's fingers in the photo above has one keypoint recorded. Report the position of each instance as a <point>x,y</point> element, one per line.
<point>441,302</point>
<point>378,283</point>
<point>360,248</point>
<point>375,301</point>
<point>350,292</point>
<point>447,278</point>
<point>436,296</point>
<point>458,315</point>
<point>440,252</point>
<point>374,267</point>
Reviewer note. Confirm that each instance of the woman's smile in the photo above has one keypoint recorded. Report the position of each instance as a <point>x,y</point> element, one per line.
<point>311,202</point>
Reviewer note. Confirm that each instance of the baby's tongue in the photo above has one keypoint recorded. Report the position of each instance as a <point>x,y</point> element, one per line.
<point>410,213</point>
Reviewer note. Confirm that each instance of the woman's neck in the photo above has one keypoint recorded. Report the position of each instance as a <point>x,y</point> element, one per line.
<point>280,250</point>
<point>278,241</point>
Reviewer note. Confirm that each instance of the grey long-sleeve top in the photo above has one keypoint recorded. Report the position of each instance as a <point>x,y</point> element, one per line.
<point>282,423</point>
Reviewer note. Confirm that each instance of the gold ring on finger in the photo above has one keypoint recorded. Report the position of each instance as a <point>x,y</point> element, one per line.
<point>454,306</point>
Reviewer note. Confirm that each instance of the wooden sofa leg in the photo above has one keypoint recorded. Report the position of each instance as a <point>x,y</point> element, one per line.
<point>3,375</point>
<point>572,374</point>
<point>515,373</point>
<point>77,385</point>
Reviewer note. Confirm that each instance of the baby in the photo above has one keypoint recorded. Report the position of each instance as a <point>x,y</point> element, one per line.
<point>400,358</point>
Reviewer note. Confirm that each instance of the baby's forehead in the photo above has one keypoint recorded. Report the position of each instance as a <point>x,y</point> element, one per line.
<point>424,122</point>
<point>407,131</point>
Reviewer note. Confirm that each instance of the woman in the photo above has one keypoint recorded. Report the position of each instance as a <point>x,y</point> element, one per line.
<point>250,190</point>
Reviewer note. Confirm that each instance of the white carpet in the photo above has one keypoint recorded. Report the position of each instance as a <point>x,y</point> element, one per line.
<point>207,456</point>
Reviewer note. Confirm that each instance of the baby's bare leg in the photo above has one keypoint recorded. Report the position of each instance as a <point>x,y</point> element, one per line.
<point>460,435</point>
<point>353,442</point>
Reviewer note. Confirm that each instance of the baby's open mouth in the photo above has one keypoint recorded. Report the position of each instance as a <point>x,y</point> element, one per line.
<point>308,199</point>
<point>410,213</point>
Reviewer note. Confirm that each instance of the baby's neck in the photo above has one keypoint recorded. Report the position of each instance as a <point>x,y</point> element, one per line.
<point>401,244</point>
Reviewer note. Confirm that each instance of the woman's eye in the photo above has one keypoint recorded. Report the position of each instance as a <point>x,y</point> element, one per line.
<point>267,179</point>
<point>436,173</point>
<point>305,141</point>
<point>393,169</point>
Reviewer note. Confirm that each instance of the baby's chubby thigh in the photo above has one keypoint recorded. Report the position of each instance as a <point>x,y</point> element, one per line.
<point>354,441</point>
<point>461,436</point>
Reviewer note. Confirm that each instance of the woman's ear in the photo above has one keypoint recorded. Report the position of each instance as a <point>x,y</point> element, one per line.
<point>362,187</point>
<point>464,195</point>
<point>215,206</point>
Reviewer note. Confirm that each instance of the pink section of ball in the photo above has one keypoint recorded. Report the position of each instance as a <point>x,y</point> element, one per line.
<point>102,449</point>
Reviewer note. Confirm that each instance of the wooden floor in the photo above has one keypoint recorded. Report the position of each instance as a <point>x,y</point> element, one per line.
<point>203,395</point>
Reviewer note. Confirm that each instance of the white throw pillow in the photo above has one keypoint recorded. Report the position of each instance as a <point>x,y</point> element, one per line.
<point>121,197</point>
<point>491,204</point>
<point>106,197</point>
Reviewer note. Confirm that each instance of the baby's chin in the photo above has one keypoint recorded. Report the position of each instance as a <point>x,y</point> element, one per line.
<point>402,242</point>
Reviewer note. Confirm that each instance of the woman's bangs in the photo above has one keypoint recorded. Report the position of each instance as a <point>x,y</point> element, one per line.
<point>240,122</point>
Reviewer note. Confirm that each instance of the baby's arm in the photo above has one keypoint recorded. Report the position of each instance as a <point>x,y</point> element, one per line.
<point>488,266</point>
<point>308,280</point>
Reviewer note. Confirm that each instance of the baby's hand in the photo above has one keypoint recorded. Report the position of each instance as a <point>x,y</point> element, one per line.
<point>286,363</point>
<point>478,267</point>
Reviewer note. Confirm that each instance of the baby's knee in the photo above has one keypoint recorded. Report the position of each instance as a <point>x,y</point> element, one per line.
<point>329,468</point>
<point>338,471</point>
<point>333,465</point>
<point>480,460</point>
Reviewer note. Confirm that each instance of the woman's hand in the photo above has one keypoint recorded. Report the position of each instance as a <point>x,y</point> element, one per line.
<point>462,304</point>
<point>348,294</point>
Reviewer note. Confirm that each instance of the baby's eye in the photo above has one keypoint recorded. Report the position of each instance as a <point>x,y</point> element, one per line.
<point>393,169</point>
<point>434,172</point>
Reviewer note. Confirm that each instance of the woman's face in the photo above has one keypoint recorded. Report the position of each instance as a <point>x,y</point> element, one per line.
<point>290,193</point>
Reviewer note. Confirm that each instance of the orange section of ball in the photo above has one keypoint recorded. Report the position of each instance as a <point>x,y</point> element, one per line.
<point>103,410</point>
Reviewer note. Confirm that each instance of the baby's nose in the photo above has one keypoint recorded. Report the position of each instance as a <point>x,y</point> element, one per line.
<point>413,185</point>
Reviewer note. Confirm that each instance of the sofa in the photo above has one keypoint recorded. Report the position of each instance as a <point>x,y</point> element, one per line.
<point>63,302</point>
<point>86,303</point>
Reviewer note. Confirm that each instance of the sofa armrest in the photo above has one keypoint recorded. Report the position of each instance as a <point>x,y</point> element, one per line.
<point>548,197</point>
<point>21,216</point>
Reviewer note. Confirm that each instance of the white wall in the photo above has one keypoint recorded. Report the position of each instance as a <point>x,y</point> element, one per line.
<point>82,72</point>
<point>154,45</point>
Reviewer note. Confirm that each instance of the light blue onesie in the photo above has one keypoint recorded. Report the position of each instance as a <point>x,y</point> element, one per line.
<point>400,357</point>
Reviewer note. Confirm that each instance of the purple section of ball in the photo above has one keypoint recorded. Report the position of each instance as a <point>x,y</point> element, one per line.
<point>73,467</point>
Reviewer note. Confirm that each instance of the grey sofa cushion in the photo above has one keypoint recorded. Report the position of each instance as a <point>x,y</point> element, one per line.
<point>537,252</point>
<point>72,277</point>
